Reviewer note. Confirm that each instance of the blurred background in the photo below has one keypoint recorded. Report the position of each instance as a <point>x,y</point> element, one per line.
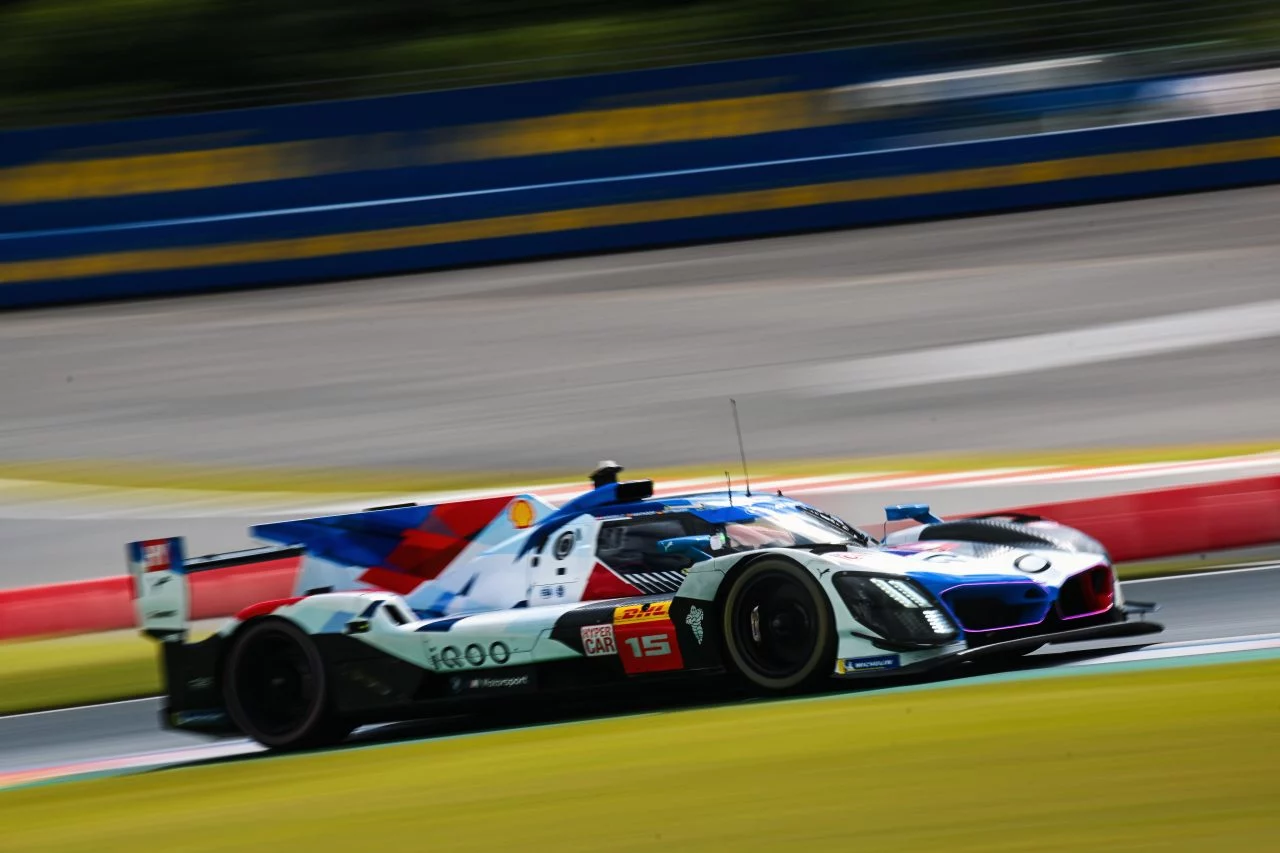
<point>540,234</point>
<point>72,60</point>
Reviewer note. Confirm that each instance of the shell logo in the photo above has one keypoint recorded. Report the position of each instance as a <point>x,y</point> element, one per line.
<point>521,514</point>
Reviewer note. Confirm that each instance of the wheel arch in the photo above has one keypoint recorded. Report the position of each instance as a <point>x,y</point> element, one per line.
<point>822,597</point>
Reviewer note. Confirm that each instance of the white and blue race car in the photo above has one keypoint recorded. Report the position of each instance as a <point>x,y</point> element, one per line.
<point>412,611</point>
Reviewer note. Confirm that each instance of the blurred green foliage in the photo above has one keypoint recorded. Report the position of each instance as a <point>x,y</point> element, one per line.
<point>78,59</point>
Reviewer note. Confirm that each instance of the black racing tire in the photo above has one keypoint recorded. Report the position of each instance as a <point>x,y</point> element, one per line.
<point>778,628</point>
<point>276,688</point>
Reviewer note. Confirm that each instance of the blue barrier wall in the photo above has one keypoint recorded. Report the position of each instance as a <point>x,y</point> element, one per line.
<point>447,141</point>
<point>154,206</point>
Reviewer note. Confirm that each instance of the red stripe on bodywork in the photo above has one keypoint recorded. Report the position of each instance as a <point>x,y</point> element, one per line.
<point>265,608</point>
<point>427,551</point>
<point>390,580</point>
<point>603,583</point>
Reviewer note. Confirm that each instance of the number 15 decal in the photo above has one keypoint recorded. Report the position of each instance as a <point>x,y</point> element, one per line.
<point>649,646</point>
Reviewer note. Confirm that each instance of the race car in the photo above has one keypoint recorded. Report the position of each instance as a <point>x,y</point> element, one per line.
<point>412,611</point>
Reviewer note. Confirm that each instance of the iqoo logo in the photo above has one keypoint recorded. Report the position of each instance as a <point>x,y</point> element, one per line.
<point>474,654</point>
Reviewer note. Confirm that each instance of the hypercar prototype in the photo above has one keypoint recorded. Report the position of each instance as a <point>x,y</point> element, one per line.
<point>412,611</point>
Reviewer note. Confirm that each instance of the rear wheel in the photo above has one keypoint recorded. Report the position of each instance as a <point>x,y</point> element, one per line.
<point>276,688</point>
<point>779,632</point>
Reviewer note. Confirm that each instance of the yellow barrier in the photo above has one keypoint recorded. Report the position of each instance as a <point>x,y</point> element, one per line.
<point>581,131</point>
<point>865,189</point>
<point>652,125</point>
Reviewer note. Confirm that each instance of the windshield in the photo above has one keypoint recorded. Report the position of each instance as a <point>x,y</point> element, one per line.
<point>786,530</point>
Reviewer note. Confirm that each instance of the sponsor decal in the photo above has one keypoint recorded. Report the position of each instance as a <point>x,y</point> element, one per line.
<point>155,555</point>
<point>521,514</point>
<point>694,621</point>
<point>475,654</point>
<point>487,682</point>
<point>203,683</point>
<point>646,637</point>
<point>511,681</point>
<point>598,640</point>
<point>849,666</point>
<point>499,652</point>
<point>653,611</point>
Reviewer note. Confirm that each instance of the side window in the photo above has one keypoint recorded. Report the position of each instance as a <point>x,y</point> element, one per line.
<point>630,545</point>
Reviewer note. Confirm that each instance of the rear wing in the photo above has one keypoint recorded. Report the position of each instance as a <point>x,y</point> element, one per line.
<point>161,577</point>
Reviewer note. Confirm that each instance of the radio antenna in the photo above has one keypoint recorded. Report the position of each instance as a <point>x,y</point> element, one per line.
<point>728,487</point>
<point>741,448</point>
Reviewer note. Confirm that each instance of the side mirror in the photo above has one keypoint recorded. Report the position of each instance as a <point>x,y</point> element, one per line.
<point>913,512</point>
<point>696,548</point>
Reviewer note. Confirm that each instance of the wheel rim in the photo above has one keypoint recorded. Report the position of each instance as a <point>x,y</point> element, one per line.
<point>775,625</point>
<point>276,685</point>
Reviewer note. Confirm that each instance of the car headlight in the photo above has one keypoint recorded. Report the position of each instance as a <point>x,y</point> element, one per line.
<point>898,609</point>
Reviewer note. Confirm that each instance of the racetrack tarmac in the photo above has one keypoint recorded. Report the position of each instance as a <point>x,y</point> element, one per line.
<point>1135,323</point>
<point>1200,607</point>
<point>561,363</point>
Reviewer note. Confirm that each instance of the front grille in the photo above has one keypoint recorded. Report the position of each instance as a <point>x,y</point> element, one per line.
<point>997,606</point>
<point>1087,594</point>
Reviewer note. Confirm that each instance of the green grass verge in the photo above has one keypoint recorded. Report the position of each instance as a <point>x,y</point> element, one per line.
<point>1174,759</point>
<point>165,475</point>
<point>56,673</point>
<point>1190,565</point>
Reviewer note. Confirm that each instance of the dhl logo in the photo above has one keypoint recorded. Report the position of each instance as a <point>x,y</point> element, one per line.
<point>651,612</point>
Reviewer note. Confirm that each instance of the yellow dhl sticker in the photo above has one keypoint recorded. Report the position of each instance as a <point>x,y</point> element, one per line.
<point>653,611</point>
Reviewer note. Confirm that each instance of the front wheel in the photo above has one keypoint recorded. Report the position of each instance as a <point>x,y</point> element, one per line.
<point>779,631</point>
<point>276,688</point>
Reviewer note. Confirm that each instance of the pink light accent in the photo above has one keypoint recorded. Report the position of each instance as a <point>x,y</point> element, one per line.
<point>1111,596</point>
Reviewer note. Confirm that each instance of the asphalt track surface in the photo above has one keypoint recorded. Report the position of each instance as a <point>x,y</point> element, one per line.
<point>1199,607</point>
<point>1144,322</point>
<point>1138,323</point>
